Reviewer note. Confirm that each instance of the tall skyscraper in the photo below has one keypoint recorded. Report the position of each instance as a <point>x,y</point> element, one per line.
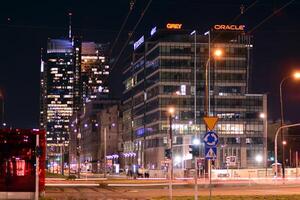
<point>60,90</point>
<point>72,72</point>
<point>168,70</point>
<point>95,69</point>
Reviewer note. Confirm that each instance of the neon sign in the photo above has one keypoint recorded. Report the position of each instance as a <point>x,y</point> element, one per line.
<point>138,43</point>
<point>173,26</point>
<point>229,27</point>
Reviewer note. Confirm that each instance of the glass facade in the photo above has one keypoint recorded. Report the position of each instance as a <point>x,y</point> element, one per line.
<point>72,73</point>
<point>162,75</point>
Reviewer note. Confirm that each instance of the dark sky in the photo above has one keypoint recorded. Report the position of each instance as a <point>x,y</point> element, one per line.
<point>26,25</point>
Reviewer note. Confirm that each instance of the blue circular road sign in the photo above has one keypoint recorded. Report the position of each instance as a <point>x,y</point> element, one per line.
<point>211,139</point>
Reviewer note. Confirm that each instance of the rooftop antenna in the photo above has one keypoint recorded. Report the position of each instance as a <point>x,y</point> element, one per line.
<point>70,25</point>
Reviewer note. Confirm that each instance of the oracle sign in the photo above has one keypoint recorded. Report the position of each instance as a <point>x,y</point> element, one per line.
<point>173,26</point>
<point>229,27</point>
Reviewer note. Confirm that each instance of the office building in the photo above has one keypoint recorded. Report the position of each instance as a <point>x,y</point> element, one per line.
<point>95,69</point>
<point>60,91</point>
<point>168,69</point>
<point>87,135</point>
<point>72,73</point>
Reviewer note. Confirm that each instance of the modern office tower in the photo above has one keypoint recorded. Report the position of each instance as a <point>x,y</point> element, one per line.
<point>167,70</point>
<point>61,93</point>
<point>95,69</point>
<point>72,73</point>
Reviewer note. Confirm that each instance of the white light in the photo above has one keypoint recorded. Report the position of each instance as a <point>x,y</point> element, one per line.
<point>177,159</point>
<point>258,158</point>
<point>262,115</point>
<point>153,31</point>
<point>138,43</point>
<point>196,141</point>
<point>193,32</point>
<point>190,122</point>
<point>206,33</point>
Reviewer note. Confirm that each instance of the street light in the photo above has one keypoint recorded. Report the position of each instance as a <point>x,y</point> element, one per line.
<point>275,145</point>
<point>296,76</point>
<point>258,158</point>
<point>217,53</point>
<point>171,111</point>
<point>195,74</point>
<point>196,141</point>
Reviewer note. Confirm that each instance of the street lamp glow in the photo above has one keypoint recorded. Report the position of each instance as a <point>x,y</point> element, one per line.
<point>177,159</point>
<point>218,53</point>
<point>297,75</point>
<point>262,115</point>
<point>284,142</point>
<point>171,110</point>
<point>258,158</point>
<point>196,141</point>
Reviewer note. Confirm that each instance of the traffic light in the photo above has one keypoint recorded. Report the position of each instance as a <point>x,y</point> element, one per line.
<point>194,150</point>
<point>168,153</point>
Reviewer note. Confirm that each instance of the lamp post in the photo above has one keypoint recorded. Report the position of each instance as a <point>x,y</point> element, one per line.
<point>195,75</point>
<point>296,75</point>
<point>171,112</point>
<point>263,116</point>
<point>105,153</point>
<point>217,54</point>
<point>275,146</point>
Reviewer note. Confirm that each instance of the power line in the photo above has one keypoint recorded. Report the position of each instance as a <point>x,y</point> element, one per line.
<point>242,12</point>
<point>270,16</point>
<point>130,34</point>
<point>132,2</point>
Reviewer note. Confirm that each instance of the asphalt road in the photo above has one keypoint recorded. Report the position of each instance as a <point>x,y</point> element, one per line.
<point>97,193</point>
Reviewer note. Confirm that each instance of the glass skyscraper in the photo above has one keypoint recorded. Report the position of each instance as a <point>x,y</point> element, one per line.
<point>72,73</point>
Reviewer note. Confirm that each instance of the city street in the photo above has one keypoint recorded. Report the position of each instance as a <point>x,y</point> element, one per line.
<point>96,193</point>
<point>153,99</point>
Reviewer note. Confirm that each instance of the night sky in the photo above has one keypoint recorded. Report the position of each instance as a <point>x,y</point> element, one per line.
<point>26,25</point>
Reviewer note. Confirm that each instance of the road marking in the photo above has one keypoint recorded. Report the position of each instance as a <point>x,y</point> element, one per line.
<point>71,184</point>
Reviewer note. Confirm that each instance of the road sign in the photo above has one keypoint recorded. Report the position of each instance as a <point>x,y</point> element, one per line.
<point>210,122</point>
<point>231,161</point>
<point>211,139</point>
<point>210,153</point>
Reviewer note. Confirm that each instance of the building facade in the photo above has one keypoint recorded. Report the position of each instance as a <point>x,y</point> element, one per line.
<point>168,70</point>
<point>72,72</point>
<point>87,135</point>
<point>94,69</point>
<point>60,91</point>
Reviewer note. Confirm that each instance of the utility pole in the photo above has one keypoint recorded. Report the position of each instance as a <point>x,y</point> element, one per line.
<point>297,164</point>
<point>105,161</point>
<point>36,197</point>
<point>171,111</point>
<point>78,144</point>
